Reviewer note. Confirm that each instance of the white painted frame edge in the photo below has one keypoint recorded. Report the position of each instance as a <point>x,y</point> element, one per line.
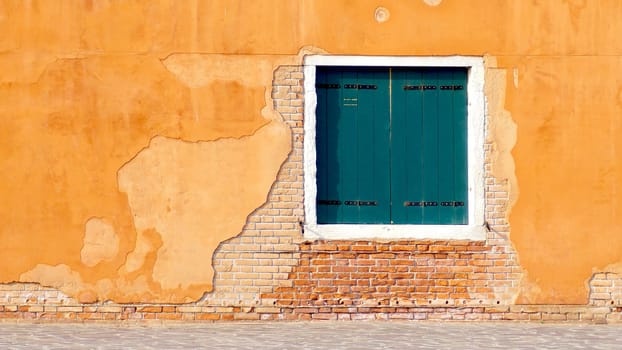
<point>476,115</point>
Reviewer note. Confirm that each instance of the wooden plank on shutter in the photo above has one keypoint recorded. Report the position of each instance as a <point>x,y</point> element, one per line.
<point>347,125</point>
<point>373,147</point>
<point>327,141</point>
<point>321,146</point>
<point>461,148</point>
<point>446,145</point>
<point>430,148</point>
<point>399,132</point>
<point>406,147</point>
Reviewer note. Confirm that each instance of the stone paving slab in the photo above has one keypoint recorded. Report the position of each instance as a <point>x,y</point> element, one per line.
<point>311,335</point>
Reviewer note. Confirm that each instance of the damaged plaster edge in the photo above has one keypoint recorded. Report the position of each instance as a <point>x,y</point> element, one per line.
<point>501,129</point>
<point>501,135</point>
<point>611,269</point>
<point>104,251</point>
<point>476,111</point>
<point>268,111</point>
<point>197,142</point>
<point>38,62</point>
<point>60,277</point>
<point>253,212</point>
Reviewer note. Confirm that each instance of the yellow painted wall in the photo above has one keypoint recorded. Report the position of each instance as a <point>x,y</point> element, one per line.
<point>134,131</point>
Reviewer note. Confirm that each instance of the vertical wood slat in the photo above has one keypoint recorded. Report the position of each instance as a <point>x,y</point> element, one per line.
<point>321,142</point>
<point>327,140</point>
<point>347,126</point>
<point>373,156</point>
<point>446,145</point>
<point>461,184</point>
<point>399,127</point>
<point>430,147</point>
<point>407,143</point>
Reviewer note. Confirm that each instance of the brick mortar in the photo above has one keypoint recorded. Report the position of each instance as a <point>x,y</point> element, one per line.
<point>541,313</point>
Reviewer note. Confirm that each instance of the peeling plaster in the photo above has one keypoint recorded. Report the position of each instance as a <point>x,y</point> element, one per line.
<point>101,242</point>
<point>147,242</point>
<point>432,2</point>
<point>501,128</point>
<point>60,276</point>
<point>231,146</point>
<point>565,222</point>
<point>184,190</point>
<point>198,70</point>
<point>178,193</point>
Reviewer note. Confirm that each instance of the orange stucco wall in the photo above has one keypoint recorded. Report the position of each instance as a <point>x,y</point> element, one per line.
<point>133,132</point>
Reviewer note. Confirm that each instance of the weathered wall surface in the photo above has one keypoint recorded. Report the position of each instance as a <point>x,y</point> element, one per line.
<point>137,136</point>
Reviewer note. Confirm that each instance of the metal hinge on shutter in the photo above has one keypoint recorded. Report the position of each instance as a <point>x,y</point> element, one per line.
<point>328,86</point>
<point>328,202</point>
<point>452,204</point>
<point>421,204</point>
<point>419,87</point>
<point>362,203</point>
<point>452,87</point>
<point>360,86</point>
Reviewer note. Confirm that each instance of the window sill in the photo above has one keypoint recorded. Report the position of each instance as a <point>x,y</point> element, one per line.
<point>392,232</point>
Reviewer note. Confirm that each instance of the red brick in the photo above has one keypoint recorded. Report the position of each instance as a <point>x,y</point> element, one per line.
<point>325,247</point>
<point>343,269</point>
<point>344,255</point>
<point>90,315</point>
<point>150,309</point>
<point>399,248</point>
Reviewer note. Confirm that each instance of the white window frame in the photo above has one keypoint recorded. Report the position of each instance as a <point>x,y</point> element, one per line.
<point>476,115</point>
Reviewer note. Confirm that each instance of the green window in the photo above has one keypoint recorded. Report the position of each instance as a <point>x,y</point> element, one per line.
<point>391,146</point>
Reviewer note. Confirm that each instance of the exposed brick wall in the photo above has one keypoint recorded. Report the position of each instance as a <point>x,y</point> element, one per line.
<point>32,293</point>
<point>606,289</point>
<point>262,256</point>
<point>391,273</point>
<point>412,272</point>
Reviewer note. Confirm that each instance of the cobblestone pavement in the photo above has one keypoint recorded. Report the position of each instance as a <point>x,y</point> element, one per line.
<point>314,335</point>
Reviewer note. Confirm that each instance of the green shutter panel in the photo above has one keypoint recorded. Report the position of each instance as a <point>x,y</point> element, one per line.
<point>446,145</point>
<point>428,146</point>
<point>406,146</point>
<point>373,170</point>
<point>352,162</point>
<point>453,172</point>
<point>347,126</point>
<point>328,97</point>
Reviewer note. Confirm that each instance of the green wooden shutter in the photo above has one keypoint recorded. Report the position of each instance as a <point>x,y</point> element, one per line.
<point>429,146</point>
<point>391,145</point>
<point>353,145</point>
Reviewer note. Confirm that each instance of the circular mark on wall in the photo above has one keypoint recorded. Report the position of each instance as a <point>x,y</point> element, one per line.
<point>433,2</point>
<point>382,14</point>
